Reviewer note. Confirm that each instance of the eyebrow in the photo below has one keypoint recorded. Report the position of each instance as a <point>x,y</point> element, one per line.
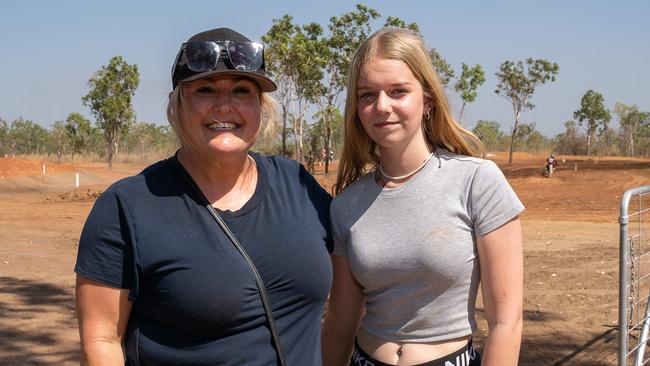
<point>393,85</point>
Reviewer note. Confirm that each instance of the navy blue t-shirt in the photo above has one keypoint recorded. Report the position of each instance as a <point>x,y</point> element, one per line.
<point>195,301</point>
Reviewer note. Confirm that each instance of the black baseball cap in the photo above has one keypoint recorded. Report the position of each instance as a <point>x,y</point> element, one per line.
<point>182,73</point>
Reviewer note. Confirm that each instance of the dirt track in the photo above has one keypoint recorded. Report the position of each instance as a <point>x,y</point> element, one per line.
<point>570,246</point>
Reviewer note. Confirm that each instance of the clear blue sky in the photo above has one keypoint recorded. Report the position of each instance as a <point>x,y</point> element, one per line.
<point>51,48</point>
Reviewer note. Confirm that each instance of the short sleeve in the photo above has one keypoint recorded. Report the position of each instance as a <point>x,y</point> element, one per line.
<point>492,200</point>
<point>105,252</point>
<point>321,201</point>
<point>339,243</point>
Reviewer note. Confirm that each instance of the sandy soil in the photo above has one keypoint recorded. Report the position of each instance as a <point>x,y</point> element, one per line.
<point>570,246</point>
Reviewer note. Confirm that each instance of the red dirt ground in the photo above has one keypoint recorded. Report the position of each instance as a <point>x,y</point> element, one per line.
<point>570,247</point>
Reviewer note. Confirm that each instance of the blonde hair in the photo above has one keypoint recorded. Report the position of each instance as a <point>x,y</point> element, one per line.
<point>440,129</point>
<point>175,104</point>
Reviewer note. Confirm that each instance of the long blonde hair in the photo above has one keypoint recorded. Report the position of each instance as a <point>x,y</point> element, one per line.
<point>440,129</point>
<point>175,115</point>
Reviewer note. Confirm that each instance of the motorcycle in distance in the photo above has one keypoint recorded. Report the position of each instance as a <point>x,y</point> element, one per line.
<point>551,164</point>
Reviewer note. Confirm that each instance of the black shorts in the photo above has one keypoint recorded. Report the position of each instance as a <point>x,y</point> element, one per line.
<point>465,356</point>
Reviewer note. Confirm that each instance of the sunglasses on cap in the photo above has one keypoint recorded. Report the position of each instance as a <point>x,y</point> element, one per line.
<point>202,56</point>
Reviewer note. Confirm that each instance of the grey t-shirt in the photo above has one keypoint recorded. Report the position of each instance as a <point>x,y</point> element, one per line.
<point>412,248</point>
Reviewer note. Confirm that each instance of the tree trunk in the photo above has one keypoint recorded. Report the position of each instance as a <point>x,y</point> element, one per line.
<point>284,130</point>
<point>589,144</point>
<point>512,139</point>
<point>460,118</point>
<point>328,145</point>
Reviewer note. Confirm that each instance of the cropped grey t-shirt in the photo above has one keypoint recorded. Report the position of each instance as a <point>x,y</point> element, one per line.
<point>413,250</point>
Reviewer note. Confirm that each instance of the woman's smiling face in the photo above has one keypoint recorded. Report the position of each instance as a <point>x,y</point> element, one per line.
<point>221,114</point>
<point>390,102</point>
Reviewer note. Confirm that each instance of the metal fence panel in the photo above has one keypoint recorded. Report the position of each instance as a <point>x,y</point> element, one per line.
<point>634,277</point>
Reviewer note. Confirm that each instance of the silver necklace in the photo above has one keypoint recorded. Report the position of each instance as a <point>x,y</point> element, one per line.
<point>405,175</point>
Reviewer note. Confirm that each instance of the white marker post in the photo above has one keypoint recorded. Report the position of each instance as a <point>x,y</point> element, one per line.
<point>43,170</point>
<point>76,184</point>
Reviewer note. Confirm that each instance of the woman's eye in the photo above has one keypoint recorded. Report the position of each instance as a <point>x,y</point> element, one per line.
<point>399,92</point>
<point>204,90</point>
<point>241,90</point>
<point>367,96</point>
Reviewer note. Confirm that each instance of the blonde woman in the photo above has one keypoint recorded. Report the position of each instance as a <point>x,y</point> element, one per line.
<point>158,280</point>
<point>411,233</point>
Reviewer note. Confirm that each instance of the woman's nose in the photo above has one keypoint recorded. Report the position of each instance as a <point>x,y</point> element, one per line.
<point>383,103</point>
<point>222,102</point>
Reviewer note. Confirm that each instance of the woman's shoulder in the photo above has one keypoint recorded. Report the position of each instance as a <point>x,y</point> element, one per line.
<point>150,177</point>
<point>277,162</point>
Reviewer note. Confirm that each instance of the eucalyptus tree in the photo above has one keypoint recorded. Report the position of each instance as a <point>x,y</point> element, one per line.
<point>4,137</point>
<point>632,121</point>
<point>470,79</point>
<point>78,131</point>
<point>346,33</point>
<point>110,100</point>
<point>26,137</point>
<point>490,134</point>
<point>58,139</point>
<point>293,58</point>
<point>517,82</point>
<point>592,115</point>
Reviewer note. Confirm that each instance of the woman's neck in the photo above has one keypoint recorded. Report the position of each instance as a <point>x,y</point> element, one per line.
<point>227,183</point>
<point>398,162</point>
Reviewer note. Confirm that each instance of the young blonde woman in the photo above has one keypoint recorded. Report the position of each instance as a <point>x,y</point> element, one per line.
<point>417,233</point>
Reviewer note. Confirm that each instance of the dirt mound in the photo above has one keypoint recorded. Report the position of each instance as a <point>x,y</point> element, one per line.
<point>85,193</point>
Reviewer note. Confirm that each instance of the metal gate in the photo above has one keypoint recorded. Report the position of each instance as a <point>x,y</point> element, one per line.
<point>634,277</point>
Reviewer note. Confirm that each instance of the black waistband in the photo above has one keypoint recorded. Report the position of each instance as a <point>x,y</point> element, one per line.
<point>465,356</point>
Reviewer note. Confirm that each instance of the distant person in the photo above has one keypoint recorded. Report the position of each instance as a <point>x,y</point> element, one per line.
<point>411,232</point>
<point>158,280</point>
<point>551,165</point>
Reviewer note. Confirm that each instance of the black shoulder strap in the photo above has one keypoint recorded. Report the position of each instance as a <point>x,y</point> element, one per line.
<point>258,279</point>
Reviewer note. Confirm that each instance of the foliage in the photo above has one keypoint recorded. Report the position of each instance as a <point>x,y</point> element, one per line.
<point>633,123</point>
<point>468,82</point>
<point>111,92</point>
<point>570,142</point>
<point>58,139</point>
<point>78,132</point>
<point>26,137</point>
<point>490,134</point>
<point>592,115</point>
<point>293,59</point>
<point>517,83</point>
<point>4,137</point>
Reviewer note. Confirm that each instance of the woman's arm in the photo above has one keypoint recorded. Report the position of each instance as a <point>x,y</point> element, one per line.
<point>344,312</point>
<point>103,313</point>
<point>500,254</point>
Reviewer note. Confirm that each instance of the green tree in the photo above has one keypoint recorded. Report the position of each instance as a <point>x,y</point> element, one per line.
<point>78,132</point>
<point>592,115</point>
<point>346,33</point>
<point>4,137</point>
<point>293,59</point>
<point>26,137</point>
<point>570,141</point>
<point>58,139</point>
<point>490,134</point>
<point>110,97</point>
<point>467,84</point>
<point>517,83</point>
<point>632,122</point>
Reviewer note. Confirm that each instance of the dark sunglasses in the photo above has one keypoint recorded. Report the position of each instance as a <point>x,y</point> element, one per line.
<point>202,56</point>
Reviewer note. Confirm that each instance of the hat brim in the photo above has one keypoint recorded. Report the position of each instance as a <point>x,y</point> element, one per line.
<point>266,85</point>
